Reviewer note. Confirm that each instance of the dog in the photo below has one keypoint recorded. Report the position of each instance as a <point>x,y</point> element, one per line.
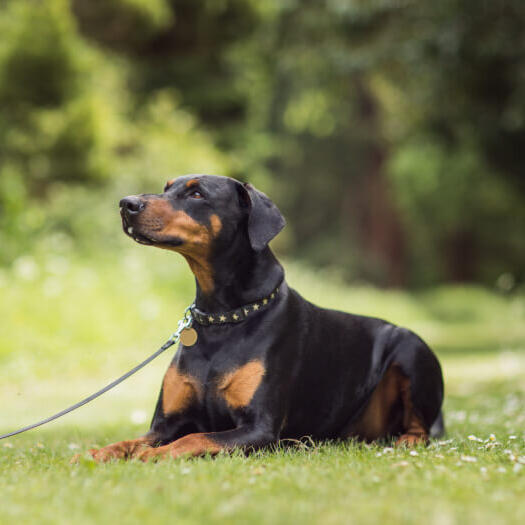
<point>260,363</point>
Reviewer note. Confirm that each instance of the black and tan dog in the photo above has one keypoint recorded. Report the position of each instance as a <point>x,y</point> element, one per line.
<point>267,364</point>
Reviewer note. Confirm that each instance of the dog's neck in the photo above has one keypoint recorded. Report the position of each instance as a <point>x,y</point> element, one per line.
<point>239,277</point>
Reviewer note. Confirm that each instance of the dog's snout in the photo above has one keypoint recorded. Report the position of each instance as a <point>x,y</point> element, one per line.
<point>132,205</point>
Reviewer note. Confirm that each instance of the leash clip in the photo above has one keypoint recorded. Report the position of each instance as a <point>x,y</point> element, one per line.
<point>184,323</point>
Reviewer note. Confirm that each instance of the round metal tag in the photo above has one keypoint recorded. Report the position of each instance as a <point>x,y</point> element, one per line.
<point>188,337</point>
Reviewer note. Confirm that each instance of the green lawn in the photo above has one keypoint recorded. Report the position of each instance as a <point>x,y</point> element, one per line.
<point>69,326</point>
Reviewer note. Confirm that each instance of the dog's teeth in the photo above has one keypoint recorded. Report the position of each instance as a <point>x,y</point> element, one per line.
<point>130,229</point>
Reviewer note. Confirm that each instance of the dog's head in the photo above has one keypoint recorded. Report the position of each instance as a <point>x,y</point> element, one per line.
<point>198,214</point>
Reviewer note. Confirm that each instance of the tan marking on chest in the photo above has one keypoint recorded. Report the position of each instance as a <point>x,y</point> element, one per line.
<point>239,386</point>
<point>178,391</point>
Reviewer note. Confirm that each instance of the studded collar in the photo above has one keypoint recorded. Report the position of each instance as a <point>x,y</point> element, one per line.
<point>233,316</point>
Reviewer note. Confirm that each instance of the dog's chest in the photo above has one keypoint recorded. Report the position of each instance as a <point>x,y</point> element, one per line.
<point>222,385</point>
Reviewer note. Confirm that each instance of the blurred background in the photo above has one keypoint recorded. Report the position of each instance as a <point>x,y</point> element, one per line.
<point>391,133</point>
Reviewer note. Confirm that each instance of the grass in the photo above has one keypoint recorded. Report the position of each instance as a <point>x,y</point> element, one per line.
<point>68,326</point>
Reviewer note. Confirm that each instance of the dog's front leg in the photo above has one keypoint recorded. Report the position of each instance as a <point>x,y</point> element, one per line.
<point>243,437</point>
<point>179,394</point>
<point>123,449</point>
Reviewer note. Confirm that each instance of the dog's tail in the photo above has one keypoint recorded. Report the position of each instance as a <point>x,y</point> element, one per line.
<point>438,427</point>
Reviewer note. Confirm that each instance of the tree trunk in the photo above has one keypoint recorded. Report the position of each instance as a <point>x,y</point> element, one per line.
<point>380,236</point>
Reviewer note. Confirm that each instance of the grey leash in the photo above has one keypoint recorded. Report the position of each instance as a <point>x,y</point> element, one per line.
<point>184,323</point>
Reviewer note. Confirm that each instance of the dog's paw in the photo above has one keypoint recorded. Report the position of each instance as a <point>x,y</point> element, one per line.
<point>412,440</point>
<point>154,454</point>
<point>75,459</point>
<point>102,455</point>
<point>121,450</point>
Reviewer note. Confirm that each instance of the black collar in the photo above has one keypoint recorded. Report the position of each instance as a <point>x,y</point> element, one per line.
<point>233,316</point>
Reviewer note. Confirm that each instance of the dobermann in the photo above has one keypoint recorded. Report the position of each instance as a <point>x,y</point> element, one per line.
<point>267,364</point>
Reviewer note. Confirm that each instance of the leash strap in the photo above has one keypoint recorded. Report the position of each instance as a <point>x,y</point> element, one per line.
<point>184,323</point>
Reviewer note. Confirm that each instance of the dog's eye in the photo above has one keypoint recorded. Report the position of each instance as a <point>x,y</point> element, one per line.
<point>195,195</point>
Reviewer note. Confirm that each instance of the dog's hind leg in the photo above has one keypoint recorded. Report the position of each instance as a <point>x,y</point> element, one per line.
<point>414,430</point>
<point>420,388</point>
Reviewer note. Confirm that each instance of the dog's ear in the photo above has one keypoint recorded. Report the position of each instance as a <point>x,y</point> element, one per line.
<point>264,218</point>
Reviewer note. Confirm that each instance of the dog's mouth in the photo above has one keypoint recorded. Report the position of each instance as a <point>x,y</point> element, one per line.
<point>138,237</point>
<point>141,238</point>
<point>132,232</point>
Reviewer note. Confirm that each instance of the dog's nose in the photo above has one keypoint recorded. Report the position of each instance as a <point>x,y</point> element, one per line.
<point>132,205</point>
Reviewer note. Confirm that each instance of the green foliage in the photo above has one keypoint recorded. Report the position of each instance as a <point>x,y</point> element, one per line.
<point>389,133</point>
<point>122,24</point>
<point>72,143</point>
<point>356,91</point>
<point>40,55</point>
<point>474,208</point>
<point>51,124</point>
